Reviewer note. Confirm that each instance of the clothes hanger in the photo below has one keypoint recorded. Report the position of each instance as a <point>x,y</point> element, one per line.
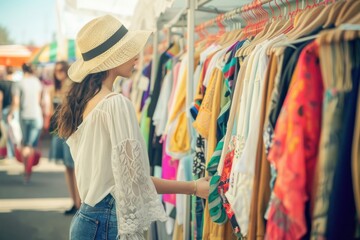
<point>200,34</point>
<point>267,28</point>
<point>278,27</point>
<point>334,13</point>
<point>349,14</point>
<point>228,31</point>
<point>303,17</point>
<point>352,35</point>
<point>347,31</point>
<point>348,11</point>
<point>321,17</point>
<point>227,35</point>
<point>243,34</point>
<point>231,37</point>
<point>307,23</point>
<point>316,23</point>
<point>267,34</point>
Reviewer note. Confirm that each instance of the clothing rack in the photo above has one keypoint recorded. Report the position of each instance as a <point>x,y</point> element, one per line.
<point>256,9</point>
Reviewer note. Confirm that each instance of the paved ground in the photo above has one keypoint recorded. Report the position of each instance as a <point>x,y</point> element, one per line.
<point>33,211</point>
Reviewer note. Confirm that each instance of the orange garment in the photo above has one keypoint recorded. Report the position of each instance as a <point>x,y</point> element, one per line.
<point>295,148</point>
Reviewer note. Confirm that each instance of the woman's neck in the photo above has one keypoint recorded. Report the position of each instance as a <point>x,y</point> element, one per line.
<point>109,81</point>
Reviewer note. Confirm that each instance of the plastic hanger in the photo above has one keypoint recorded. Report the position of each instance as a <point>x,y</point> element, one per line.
<point>277,28</point>
<point>334,13</point>
<point>268,34</point>
<point>225,35</point>
<point>307,23</point>
<point>348,11</point>
<point>302,18</point>
<point>351,35</point>
<point>317,22</point>
<point>244,50</point>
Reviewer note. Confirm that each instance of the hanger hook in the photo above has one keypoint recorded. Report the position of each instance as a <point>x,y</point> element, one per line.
<point>277,5</point>
<point>289,5</point>
<point>272,11</point>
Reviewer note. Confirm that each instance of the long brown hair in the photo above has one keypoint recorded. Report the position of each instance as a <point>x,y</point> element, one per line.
<point>70,114</point>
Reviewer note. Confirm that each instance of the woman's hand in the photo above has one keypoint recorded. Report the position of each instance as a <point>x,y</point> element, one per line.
<point>202,187</point>
<point>199,187</point>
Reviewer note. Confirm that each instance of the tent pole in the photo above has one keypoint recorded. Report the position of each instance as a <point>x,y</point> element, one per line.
<point>189,95</point>
<point>154,59</point>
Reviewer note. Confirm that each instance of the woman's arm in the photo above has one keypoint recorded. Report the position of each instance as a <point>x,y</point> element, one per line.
<point>199,187</point>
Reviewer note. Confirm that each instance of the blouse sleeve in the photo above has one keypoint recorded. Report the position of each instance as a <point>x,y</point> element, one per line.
<point>137,202</point>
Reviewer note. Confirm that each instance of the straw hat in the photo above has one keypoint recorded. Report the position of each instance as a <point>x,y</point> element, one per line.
<point>105,43</point>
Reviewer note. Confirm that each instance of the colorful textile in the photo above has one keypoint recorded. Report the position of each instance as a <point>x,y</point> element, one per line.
<point>169,171</point>
<point>295,148</point>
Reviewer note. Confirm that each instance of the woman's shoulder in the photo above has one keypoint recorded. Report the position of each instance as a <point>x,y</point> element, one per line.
<point>117,105</point>
<point>115,100</point>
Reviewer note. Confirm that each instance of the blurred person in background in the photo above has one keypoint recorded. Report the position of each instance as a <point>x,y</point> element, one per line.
<point>9,106</point>
<point>59,150</point>
<point>47,80</point>
<point>30,115</point>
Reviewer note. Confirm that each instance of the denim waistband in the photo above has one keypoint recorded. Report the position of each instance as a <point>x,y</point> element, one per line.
<point>106,203</point>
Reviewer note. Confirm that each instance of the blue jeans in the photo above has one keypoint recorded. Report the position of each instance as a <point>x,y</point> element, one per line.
<point>59,150</point>
<point>98,222</point>
<point>31,130</point>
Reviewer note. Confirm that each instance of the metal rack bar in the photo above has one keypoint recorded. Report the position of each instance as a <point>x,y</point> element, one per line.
<point>209,10</point>
<point>189,95</point>
<point>231,14</point>
<point>202,2</point>
<point>154,59</point>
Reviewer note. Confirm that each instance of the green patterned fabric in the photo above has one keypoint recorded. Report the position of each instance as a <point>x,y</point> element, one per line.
<point>216,209</point>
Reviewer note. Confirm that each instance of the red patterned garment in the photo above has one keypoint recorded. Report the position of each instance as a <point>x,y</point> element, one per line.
<point>224,184</point>
<point>295,148</point>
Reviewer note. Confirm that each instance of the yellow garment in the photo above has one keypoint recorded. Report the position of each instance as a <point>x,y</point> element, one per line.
<point>215,111</point>
<point>202,122</point>
<point>206,125</point>
<point>179,98</point>
<point>214,231</point>
<point>206,121</point>
<point>178,232</point>
<point>180,139</point>
<point>175,49</point>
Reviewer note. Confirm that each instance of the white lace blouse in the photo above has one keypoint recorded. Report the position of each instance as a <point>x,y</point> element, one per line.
<point>110,157</point>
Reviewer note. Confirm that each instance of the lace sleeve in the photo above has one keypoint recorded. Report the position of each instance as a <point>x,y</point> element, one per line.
<point>137,203</point>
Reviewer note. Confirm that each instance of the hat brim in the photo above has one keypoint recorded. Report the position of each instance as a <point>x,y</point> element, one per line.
<point>124,50</point>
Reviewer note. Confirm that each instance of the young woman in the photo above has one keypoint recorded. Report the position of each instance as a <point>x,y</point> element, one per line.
<point>119,197</point>
<point>59,150</point>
